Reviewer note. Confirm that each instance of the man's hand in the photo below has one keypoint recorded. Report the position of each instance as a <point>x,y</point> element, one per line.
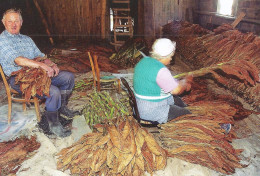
<point>49,71</point>
<point>49,63</point>
<point>56,69</point>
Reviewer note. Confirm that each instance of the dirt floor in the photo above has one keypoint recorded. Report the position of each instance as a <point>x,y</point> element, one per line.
<point>43,163</point>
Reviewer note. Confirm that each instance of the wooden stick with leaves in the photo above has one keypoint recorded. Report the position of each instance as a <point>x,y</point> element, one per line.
<point>236,69</point>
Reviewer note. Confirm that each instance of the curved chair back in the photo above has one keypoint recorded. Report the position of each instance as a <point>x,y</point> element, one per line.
<point>97,79</point>
<point>133,104</point>
<point>10,97</point>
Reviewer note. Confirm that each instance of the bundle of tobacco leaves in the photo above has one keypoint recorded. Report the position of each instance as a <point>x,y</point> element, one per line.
<point>200,93</point>
<point>102,106</point>
<point>128,55</point>
<point>32,81</point>
<point>13,153</point>
<point>118,147</point>
<point>198,138</point>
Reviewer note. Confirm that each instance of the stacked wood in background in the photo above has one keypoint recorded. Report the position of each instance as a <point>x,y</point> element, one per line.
<point>202,48</point>
<point>13,153</point>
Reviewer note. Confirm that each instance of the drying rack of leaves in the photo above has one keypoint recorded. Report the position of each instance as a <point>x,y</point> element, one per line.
<point>32,81</point>
<point>13,153</point>
<point>118,147</point>
<point>102,106</point>
<point>202,48</point>
<point>128,55</point>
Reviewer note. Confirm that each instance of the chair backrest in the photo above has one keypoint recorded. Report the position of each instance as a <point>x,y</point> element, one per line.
<point>95,69</point>
<point>7,88</point>
<point>132,100</point>
<point>133,104</point>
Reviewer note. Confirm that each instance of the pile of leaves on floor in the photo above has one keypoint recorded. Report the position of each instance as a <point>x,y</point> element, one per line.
<point>13,153</point>
<point>117,147</point>
<point>128,55</point>
<point>73,57</point>
<point>32,81</point>
<point>197,137</point>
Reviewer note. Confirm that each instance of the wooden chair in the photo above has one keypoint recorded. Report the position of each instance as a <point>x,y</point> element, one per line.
<point>98,80</point>
<point>11,97</point>
<point>133,105</point>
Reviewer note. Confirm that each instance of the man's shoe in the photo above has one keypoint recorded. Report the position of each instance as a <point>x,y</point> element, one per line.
<point>55,125</point>
<point>65,121</point>
<point>44,126</point>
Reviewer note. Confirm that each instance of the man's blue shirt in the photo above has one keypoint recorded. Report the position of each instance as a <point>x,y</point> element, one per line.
<point>13,46</point>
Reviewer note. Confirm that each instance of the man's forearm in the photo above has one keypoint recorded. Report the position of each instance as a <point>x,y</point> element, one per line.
<point>22,61</point>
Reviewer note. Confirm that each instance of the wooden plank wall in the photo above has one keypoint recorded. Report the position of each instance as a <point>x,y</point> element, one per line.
<point>158,13</point>
<point>76,18</point>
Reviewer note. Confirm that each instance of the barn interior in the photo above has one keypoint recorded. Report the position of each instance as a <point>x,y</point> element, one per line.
<point>217,42</point>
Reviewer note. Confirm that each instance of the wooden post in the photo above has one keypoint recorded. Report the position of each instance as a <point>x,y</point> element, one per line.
<point>239,18</point>
<point>44,21</point>
<point>103,18</point>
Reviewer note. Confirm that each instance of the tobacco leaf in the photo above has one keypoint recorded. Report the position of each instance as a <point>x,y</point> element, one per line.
<point>32,81</point>
<point>115,136</point>
<point>151,143</point>
<point>148,157</point>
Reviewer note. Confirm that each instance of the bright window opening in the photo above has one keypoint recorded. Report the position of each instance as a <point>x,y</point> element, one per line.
<point>111,20</point>
<point>225,7</point>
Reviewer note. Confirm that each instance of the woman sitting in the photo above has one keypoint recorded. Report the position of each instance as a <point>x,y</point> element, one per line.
<point>154,85</point>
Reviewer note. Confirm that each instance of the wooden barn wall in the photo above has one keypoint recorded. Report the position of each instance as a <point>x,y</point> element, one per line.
<point>208,18</point>
<point>76,18</point>
<point>158,13</point>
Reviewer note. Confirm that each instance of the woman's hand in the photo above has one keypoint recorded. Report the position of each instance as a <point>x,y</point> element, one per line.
<point>184,85</point>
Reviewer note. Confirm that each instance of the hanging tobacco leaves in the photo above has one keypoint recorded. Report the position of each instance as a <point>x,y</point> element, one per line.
<point>118,147</point>
<point>32,81</point>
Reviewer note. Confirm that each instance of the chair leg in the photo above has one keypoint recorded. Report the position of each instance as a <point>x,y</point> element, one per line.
<point>37,108</point>
<point>119,86</point>
<point>98,86</point>
<point>24,106</point>
<point>9,110</point>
